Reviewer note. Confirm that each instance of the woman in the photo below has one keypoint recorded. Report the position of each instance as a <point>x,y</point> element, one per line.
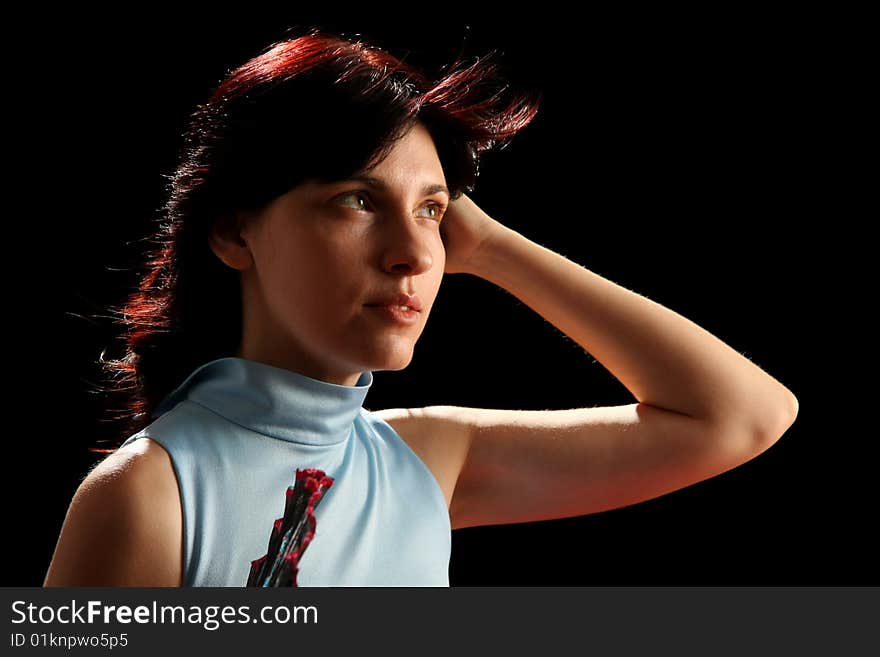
<point>316,207</point>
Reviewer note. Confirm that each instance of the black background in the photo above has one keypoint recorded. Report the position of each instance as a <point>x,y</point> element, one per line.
<point>689,158</point>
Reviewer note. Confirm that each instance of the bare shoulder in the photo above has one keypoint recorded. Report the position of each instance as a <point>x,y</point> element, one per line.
<point>439,435</point>
<point>144,459</point>
<point>142,468</point>
<point>124,524</point>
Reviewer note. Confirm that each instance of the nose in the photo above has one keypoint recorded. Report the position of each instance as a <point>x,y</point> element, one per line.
<point>407,247</point>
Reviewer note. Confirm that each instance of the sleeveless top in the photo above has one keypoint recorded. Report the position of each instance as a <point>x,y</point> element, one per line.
<point>237,430</point>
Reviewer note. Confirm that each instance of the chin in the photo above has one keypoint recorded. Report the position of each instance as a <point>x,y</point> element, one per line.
<point>394,352</point>
<point>396,360</point>
<point>397,364</point>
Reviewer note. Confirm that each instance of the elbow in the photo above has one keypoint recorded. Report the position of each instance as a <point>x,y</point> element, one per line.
<point>792,410</point>
<point>770,432</point>
<point>760,431</point>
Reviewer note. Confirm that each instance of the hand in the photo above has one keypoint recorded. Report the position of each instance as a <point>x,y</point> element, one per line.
<point>467,232</point>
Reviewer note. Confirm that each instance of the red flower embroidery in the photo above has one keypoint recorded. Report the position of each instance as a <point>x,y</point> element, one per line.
<point>291,534</point>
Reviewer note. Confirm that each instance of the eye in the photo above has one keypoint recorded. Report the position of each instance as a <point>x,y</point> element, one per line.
<point>353,194</point>
<point>437,208</point>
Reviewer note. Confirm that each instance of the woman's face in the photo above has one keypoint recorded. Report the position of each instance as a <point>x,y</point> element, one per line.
<point>320,262</point>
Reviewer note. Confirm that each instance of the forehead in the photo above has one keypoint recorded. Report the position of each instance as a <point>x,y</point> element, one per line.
<point>412,164</point>
<point>412,159</point>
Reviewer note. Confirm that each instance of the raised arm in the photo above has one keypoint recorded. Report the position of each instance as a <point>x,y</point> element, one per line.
<point>664,359</point>
<point>702,408</point>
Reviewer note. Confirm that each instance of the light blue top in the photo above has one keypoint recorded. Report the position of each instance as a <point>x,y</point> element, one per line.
<point>237,430</point>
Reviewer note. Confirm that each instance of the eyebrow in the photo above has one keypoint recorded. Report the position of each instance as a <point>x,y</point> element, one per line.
<point>431,188</point>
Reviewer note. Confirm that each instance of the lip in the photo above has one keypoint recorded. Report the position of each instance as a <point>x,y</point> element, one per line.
<point>386,308</point>
<point>395,315</point>
<point>399,299</point>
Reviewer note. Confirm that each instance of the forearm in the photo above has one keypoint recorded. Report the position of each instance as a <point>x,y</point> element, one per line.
<point>662,358</point>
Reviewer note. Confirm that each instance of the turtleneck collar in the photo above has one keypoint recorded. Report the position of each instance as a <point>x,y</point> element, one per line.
<point>273,401</point>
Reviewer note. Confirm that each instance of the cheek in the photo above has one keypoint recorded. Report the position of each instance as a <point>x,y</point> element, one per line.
<point>441,253</point>
<point>319,275</point>
<point>289,274</point>
<point>435,276</point>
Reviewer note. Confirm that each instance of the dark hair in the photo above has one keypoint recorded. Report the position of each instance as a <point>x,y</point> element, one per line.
<point>315,106</point>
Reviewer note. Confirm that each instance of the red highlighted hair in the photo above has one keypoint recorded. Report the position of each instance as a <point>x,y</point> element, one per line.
<point>314,106</point>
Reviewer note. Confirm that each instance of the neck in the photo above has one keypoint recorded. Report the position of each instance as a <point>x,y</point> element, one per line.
<point>295,360</point>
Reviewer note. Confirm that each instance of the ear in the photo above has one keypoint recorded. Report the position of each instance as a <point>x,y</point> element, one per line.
<point>227,243</point>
